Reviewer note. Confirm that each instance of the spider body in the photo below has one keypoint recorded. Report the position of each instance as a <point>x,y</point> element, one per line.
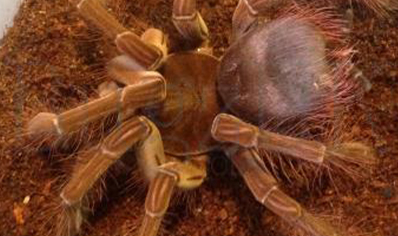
<point>272,73</point>
<point>184,118</point>
<point>170,110</point>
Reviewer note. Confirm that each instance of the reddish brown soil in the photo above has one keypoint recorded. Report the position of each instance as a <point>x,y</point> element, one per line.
<point>49,57</point>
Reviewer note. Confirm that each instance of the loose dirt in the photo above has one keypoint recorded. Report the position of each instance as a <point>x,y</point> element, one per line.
<point>51,60</point>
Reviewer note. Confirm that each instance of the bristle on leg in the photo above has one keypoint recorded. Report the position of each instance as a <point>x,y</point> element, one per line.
<point>380,7</point>
<point>44,123</point>
<point>61,219</point>
<point>351,157</point>
<point>69,220</point>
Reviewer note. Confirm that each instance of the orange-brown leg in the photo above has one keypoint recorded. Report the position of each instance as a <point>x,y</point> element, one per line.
<point>227,128</point>
<point>164,174</point>
<point>188,21</point>
<point>99,159</point>
<point>126,61</point>
<point>381,7</point>
<point>265,190</point>
<point>247,12</point>
<point>145,54</point>
<point>149,88</point>
<point>157,201</point>
<point>111,149</point>
<point>163,180</point>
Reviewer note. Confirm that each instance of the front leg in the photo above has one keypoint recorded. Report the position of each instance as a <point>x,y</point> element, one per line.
<point>188,21</point>
<point>184,175</point>
<point>247,12</point>
<point>98,160</point>
<point>145,89</point>
<point>265,190</point>
<point>144,53</point>
<point>164,174</point>
<point>157,202</point>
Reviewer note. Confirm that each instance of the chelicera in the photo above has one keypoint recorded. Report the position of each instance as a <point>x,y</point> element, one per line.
<point>175,109</point>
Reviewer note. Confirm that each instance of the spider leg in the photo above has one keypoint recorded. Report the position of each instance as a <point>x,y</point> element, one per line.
<point>184,175</point>
<point>95,12</point>
<point>357,73</point>
<point>86,174</point>
<point>359,76</point>
<point>156,38</point>
<point>125,62</point>
<point>382,8</point>
<point>151,55</point>
<point>106,88</point>
<point>144,54</point>
<point>148,89</point>
<point>265,190</point>
<point>157,201</point>
<point>164,173</point>
<point>124,70</point>
<point>188,21</point>
<point>111,149</point>
<point>227,128</point>
<point>120,72</point>
<point>247,12</point>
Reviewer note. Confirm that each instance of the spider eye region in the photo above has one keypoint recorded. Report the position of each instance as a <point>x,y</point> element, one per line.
<point>274,71</point>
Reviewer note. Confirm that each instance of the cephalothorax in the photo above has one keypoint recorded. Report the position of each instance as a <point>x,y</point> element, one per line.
<point>175,109</point>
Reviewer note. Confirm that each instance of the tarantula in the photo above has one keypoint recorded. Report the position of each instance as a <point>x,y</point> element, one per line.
<point>177,108</point>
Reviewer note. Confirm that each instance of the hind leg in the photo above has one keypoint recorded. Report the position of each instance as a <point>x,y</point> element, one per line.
<point>227,128</point>
<point>357,73</point>
<point>266,191</point>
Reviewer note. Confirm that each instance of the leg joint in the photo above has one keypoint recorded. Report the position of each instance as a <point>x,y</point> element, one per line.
<point>283,205</point>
